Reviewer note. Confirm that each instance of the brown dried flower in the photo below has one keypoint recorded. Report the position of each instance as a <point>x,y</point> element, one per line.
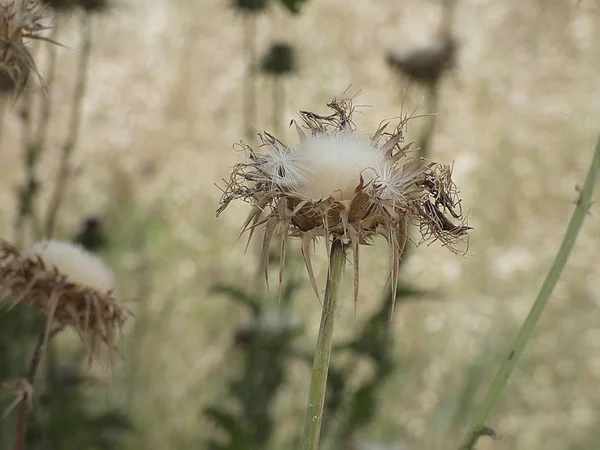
<point>19,20</point>
<point>70,286</point>
<point>340,185</point>
<point>426,64</point>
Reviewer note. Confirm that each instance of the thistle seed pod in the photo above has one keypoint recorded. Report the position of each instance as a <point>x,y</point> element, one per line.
<point>70,286</point>
<point>426,64</point>
<point>19,20</point>
<point>340,185</point>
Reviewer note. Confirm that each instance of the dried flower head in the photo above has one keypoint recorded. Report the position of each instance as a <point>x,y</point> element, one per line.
<point>280,60</point>
<point>19,20</point>
<point>70,286</point>
<point>340,185</point>
<point>428,63</point>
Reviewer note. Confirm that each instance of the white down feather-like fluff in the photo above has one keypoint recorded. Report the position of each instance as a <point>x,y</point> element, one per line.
<point>79,265</point>
<point>328,164</point>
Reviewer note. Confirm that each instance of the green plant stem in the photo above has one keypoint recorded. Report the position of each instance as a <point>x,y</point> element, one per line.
<point>433,97</point>
<point>278,103</point>
<point>478,427</point>
<point>318,381</point>
<point>250,81</point>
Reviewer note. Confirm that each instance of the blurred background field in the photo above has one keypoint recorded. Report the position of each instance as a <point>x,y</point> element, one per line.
<point>518,119</point>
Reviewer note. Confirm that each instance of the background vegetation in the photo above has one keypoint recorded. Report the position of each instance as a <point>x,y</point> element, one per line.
<point>214,361</point>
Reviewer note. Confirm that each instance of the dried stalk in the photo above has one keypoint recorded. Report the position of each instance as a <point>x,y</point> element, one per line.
<point>74,126</point>
<point>278,103</point>
<point>250,81</point>
<point>38,352</point>
<point>34,144</point>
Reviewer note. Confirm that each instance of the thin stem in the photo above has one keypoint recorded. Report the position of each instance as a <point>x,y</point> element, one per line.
<point>74,126</point>
<point>425,138</point>
<point>250,85</point>
<point>318,381</point>
<point>30,157</point>
<point>278,103</point>
<point>432,110</point>
<point>478,427</point>
<point>46,107</point>
<point>34,143</point>
<point>38,352</point>
<point>3,102</point>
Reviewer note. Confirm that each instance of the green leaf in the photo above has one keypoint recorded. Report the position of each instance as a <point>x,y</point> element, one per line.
<point>293,6</point>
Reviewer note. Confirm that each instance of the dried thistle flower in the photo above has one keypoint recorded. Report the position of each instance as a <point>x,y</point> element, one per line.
<point>19,20</point>
<point>280,60</point>
<point>426,64</point>
<point>70,286</point>
<point>340,185</point>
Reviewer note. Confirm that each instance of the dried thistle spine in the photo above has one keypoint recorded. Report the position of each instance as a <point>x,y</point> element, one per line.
<point>342,186</point>
<point>19,20</point>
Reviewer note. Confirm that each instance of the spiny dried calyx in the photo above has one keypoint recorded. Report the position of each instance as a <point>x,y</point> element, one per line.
<point>340,185</point>
<point>71,287</point>
<point>19,20</point>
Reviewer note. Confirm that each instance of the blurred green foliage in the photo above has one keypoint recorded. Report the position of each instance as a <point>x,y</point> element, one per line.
<point>268,342</point>
<point>293,6</point>
<point>265,344</point>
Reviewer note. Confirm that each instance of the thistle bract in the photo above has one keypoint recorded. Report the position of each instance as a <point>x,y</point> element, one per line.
<point>341,185</point>
<point>19,20</point>
<point>70,286</point>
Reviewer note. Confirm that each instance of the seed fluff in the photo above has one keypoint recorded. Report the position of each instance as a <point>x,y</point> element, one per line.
<point>341,185</point>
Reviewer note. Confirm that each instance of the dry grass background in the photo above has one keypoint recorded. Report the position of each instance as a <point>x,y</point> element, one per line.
<point>518,119</point>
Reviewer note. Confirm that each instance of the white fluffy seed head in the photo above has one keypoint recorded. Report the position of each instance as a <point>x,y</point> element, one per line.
<point>331,164</point>
<point>80,266</point>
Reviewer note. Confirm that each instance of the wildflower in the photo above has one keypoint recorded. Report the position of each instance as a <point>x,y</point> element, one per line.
<point>340,185</point>
<point>69,286</point>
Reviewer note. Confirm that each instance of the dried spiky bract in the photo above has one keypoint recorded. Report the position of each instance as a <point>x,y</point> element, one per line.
<point>69,286</point>
<point>338,184</point>
<point>19,20</point>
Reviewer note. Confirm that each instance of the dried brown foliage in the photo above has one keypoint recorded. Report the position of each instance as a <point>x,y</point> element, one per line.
<point>97,317</point>
<point>19,20</point>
